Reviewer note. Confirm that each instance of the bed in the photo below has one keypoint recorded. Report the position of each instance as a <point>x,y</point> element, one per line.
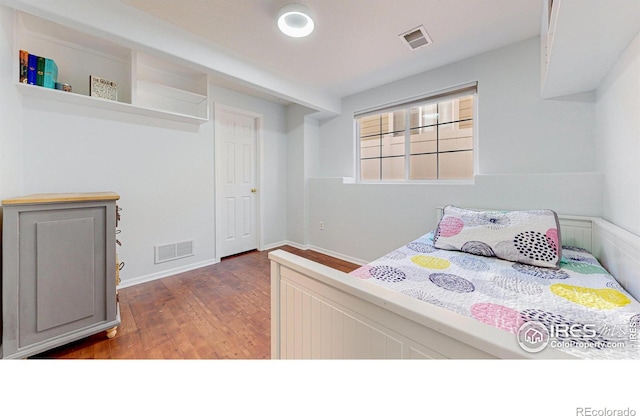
<point>319,312</point>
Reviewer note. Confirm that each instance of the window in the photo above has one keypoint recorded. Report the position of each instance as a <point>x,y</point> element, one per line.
<point>430,138</point>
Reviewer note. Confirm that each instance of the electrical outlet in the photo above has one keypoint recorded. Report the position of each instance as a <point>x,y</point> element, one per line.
<point>321,225</point>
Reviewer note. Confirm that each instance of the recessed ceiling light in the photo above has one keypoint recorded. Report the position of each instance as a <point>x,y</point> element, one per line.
<point>295,20</point>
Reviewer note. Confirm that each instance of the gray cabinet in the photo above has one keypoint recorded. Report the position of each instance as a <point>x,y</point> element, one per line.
<point>58,271</point>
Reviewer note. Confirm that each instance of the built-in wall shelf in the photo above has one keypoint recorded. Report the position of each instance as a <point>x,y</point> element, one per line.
<point>147,85</point>
<point>581,40</point>
<point>164,98</point>
<point>171,92</point>
<point>103,104</point>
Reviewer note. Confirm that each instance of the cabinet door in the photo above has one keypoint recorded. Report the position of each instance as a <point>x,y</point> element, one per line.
<point>62,285</point>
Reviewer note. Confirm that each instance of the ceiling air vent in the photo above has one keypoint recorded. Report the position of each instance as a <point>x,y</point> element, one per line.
<point>416,38</point>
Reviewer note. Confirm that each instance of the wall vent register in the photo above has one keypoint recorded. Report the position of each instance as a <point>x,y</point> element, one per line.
<point>174,251</point>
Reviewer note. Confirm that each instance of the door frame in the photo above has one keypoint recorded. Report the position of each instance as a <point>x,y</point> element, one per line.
<point>218,109</point>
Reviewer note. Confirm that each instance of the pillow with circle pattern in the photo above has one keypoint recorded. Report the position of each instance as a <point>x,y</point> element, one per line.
<point>530,237</point>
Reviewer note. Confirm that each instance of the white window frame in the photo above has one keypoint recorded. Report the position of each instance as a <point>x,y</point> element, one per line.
<point>433,97</point>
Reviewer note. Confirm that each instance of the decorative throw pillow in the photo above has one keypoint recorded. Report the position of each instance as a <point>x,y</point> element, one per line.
<point>530,237</point>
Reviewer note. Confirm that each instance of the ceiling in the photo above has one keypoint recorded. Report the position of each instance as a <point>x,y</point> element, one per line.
<point>356,44</point>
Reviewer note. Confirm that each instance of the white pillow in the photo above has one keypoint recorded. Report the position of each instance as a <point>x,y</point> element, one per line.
<point>530,237</point>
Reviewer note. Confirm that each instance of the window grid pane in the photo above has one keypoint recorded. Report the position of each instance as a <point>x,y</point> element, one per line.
<point>393,168</point>
<point>370,169</point>
<point>440,144</point>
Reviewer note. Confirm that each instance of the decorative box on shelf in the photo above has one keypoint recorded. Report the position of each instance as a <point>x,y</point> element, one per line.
<point>103,88</point>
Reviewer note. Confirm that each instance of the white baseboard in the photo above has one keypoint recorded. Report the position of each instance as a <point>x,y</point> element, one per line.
<point>340,256</point>
<point>165,273</point>
<point>299,246</point>
<point>285,243</point>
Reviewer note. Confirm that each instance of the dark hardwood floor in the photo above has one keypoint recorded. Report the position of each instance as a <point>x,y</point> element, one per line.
<point>216,312</point>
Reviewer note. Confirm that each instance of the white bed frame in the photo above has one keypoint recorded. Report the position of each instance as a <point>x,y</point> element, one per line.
<point>318,312</point>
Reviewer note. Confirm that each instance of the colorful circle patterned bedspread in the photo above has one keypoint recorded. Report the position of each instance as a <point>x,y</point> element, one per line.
<point>581,294</point>
<point>604,298</point>
<point>429,262</point>
<point>498,316</point>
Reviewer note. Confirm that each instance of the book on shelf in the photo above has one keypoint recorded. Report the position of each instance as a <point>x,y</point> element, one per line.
<point>50,73</point>
<point>32,69</point>
<point>24,65</point>
<point>40,72</point>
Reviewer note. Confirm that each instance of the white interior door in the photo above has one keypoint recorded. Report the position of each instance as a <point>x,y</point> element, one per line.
<point>236,140</point>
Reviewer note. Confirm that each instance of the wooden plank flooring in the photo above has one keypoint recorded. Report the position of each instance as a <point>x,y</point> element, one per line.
<point>216,312</point>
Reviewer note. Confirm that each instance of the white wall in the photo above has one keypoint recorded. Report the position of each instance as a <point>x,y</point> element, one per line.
<point>163,173</point>
<point>10,112</point>
<point>302,157</point>
<point>517,131</point>
<point>163,170</point>
<point>618,139</point>
<point>364,221</point>
<point>296,179</point>
<point>531,154</point>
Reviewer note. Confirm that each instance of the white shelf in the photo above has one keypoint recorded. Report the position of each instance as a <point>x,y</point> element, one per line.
<point>147,84</point>
<point>171,92</point>
<point>104,104</point>
<point>581,42</point>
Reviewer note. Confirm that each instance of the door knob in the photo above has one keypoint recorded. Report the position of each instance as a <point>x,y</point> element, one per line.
<point>254,190</point>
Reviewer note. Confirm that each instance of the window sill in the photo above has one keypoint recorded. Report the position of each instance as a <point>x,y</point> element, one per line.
<point>434,182</point>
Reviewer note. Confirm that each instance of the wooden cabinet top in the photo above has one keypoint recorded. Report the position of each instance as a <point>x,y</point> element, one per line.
<point>61,197</point>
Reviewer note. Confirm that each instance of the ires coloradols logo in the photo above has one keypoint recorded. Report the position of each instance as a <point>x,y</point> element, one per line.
<point>534,336</point>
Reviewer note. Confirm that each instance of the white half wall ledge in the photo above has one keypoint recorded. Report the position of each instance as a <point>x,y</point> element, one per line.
<point>366,221</point>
